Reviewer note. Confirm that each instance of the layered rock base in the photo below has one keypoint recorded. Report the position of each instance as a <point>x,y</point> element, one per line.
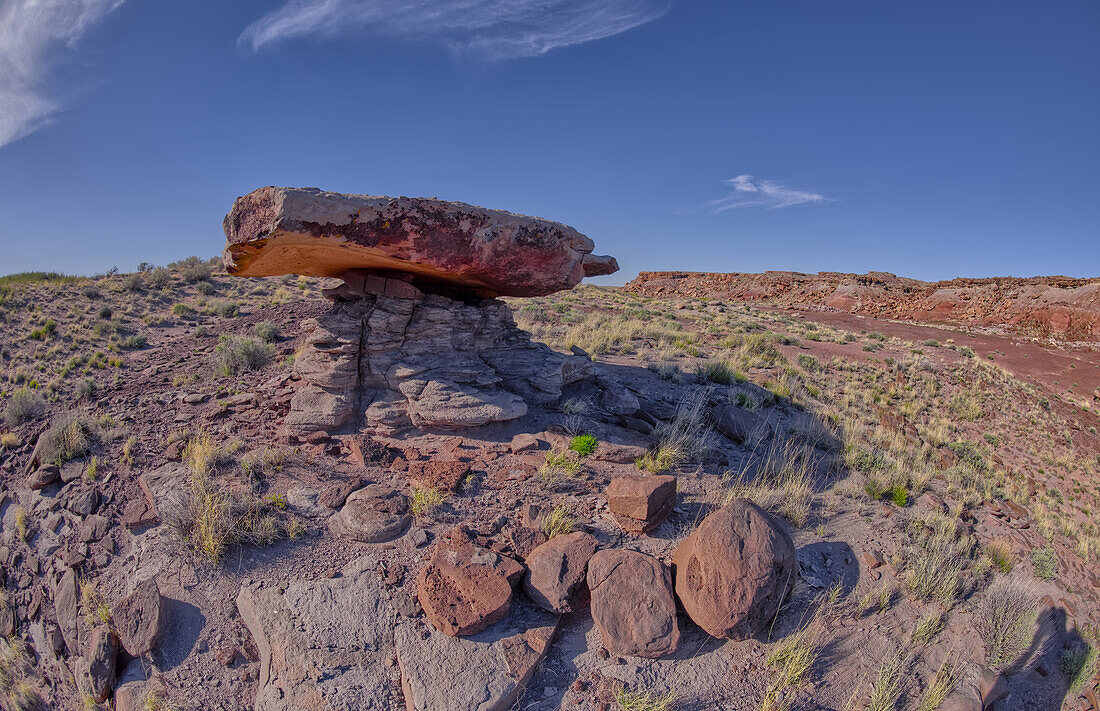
<point>389,356</point>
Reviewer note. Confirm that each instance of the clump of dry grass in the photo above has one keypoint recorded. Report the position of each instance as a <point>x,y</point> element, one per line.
<point>887,686</point>
<point>558,522</point>
<point>1004,618</point>
<point>684,440</point>
<point>945,681</point>
<point>780,480</point>
<point>643,700</point>
<point>557,465</point>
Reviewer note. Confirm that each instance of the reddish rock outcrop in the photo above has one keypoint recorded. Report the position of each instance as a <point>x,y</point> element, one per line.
<point>734,569</point>
<point>632,603</point>
<point>273,231</point>
<point>555,578</point>
<point>464,588</point>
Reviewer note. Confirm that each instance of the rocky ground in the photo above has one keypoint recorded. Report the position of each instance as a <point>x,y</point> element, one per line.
<point>1054,307</point>
<point>926,535</point>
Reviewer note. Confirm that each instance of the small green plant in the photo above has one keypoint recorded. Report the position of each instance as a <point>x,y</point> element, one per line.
<point>425,499</point>
<point>928,626</point>
<point>9,440</point>
<point>68,438</point>
<point>584,444</point>
<point>134,342</point>
<point>558,522</point>
<point>229,309</point>
<point>94,605</point>
<point>21,529</point>
<point>86,389</point>
<point>91,473</point>
<point>182,310</point>
<point>277,500</point>
<point>899,495</point>
<point>1045,562</point>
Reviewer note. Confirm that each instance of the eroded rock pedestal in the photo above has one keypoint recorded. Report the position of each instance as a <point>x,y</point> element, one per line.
<point>389,356</point>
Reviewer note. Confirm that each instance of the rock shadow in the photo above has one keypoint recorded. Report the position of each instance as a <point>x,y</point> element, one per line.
<point>184,624</point>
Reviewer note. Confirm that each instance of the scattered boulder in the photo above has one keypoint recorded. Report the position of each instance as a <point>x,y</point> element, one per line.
<point>139,618</point>
<point>42,477</point>
<point>484,672</point>
<point>323,644</point>
<point>274,231</point>
<point>734,569</point>
<point>372,514</point>
<point>101,659</point>
<point>640,502</point>
<point>735,422</point>
<point>632,603</point>
<point>464,588</point>
<point>555,578</point>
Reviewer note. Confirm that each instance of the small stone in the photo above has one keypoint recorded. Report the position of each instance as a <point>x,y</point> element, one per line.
<point>373,514</point>
<point>140,618</point>
<point>43,477</point>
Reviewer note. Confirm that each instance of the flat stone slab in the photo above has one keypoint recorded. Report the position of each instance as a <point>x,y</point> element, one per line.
<point>484,672</point>
<point>323,644</point>
<point>273,231</point>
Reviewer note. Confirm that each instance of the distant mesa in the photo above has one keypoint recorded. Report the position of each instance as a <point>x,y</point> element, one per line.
<point>274,231</point>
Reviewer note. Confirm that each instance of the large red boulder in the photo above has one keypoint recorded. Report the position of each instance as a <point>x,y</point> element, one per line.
<point>632,603</point>
<point>464,588</point>
<point>734,569</point>
<point>555,578</point>
<point>273,231</point>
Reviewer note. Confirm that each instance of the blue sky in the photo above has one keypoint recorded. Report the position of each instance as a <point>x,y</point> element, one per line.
<point>930,139</point>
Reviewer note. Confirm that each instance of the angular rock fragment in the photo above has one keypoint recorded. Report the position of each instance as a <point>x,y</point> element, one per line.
<point>464,588</point>
<point>66,599</point>
<point>139,618</point>
<point>641,502</point>
<point>100,660</point>
<point>733,571</point>
<point>555,578</point>
<point>632,603</point>
<point>273,231</point>
<point>373,514</point>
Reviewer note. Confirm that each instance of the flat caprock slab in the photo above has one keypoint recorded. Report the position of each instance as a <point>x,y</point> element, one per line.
<point>274,231</point>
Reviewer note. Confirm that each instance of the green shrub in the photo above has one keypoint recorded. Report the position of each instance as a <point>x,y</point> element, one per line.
<point>193,269</point>
<point>134,342</point>
<point>104,312</point>
<point>86,388</point>
<point>205,288</point>
<point>1045,562</point>
<point>234,355</point>
<point>899,495</point>
<point>132,282</point>
<point>24,405</point>
<point>183,310</point>
<point>266,332</point>
<point>160,278</point>
<point>228,310</point>
<point>717,371</point>
<point>584,444</point>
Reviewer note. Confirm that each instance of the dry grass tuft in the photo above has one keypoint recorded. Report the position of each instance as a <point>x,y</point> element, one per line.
<point>1004,619</point>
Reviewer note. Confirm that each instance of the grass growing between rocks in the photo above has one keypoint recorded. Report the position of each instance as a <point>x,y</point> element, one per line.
<point>426,499</point>
<point>644,700</point>
<point>558,522</point>
<point>17,682</point>
<point>945,681</point>
<point>887,686</point>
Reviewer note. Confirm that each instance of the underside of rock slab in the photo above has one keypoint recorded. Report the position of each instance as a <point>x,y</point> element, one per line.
<point>274,231</point>
<point>387,357</point>
<point>323,644</point>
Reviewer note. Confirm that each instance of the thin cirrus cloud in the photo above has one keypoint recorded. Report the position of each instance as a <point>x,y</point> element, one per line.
<point>490,30</point>
<point>747,191</point>
<point>30,32</point>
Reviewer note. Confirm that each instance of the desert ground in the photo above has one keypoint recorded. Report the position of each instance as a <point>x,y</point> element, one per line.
<point>939,486</point>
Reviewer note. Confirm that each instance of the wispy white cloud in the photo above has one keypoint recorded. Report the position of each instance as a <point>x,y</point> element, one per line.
<point>30,33</point>
<point>485,29</point>
<point>747,191</point>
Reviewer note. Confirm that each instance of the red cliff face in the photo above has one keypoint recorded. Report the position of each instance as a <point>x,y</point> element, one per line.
<point>1056,306</point>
